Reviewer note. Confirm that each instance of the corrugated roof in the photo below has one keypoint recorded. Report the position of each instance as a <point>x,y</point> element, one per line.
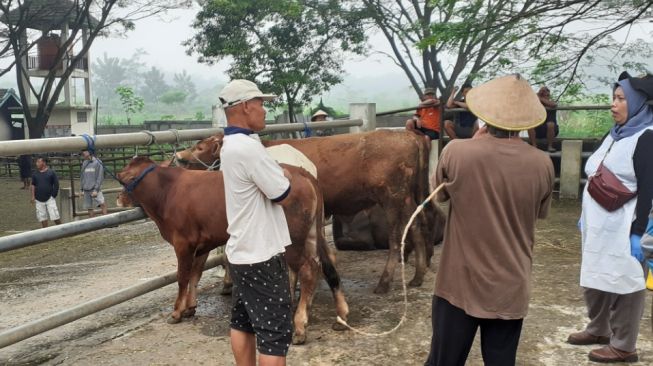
<point>45,14</point>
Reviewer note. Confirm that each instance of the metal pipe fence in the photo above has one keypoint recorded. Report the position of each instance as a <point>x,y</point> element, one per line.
<point>34,237</point>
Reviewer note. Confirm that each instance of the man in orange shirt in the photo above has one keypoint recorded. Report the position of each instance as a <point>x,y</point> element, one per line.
<point>426,121</point>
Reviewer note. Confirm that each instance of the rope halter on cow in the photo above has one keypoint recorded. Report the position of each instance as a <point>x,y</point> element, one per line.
<point>129,187</point>
<point>403,271</point>
<point>213,166</point>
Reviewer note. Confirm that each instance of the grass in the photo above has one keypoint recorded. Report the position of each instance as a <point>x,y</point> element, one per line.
<point>584,124</point>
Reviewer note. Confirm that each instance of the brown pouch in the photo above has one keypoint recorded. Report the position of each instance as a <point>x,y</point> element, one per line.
<point>606,189</point>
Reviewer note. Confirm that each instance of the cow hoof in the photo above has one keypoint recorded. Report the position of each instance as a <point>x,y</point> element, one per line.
<point>226,290</point>
<point>382,288</point>
<point>173,320</point>
<point>188,313</point>
<point>298,339</point>
<point>415,283</point>
<point>338,327</point>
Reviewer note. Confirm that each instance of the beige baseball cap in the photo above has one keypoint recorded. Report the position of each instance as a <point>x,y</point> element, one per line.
<point>240,90</point>
<point>508,103</point>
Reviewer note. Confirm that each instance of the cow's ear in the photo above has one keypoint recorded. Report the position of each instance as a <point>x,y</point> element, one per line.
<point>216,149</point>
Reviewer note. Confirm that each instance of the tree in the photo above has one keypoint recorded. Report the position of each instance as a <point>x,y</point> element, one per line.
<point>131,103</point>
<point>83,19</point>
<point>154,84</point>
<point>292,48</point>
<point>173,97</point>
<point>184,83</point>
<point>439,42</point>
<point>111,72</point>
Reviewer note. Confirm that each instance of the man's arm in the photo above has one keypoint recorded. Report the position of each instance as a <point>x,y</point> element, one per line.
<point>450,101</point>
<point>548,102</point>
<point>545,204</point>
<point>55,184</point>
<point>271,179</point>
<point>33,190</point>
<point>99,177</point>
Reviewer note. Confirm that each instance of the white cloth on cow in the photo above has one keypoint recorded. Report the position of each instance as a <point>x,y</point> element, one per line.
<point>286,154</point>
<point>257,227</point>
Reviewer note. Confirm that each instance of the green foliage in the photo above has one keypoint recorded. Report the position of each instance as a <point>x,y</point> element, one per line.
<point>173,97</point>
<point>199,116</point>
<point>183,82</point>
<point>131,103</point>
<point>292,48</point>
<point>154,84</point>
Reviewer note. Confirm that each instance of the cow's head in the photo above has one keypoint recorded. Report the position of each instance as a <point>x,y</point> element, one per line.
<point>205,153</point>
<point>133,173</point>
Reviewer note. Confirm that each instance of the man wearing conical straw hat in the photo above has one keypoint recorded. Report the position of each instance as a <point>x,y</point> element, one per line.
<point>498,186</point>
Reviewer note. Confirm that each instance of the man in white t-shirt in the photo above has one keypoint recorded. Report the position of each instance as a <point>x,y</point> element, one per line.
<point>255,187</point>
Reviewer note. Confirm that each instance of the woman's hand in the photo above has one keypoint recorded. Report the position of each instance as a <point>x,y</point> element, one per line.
<point>636,248</point>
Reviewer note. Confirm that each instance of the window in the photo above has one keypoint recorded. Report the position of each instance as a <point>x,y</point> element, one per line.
<point>82,117</point>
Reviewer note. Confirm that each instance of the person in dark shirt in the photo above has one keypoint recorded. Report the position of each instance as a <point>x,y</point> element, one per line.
<point>25,165</point>
<point>466,124</point>
<point>45,187</point>
<point>549,129</point>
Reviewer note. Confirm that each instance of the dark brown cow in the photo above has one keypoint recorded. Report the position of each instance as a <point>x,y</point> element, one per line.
<point>368,229</point>
<point>357,171</point>
<point>188,208</point>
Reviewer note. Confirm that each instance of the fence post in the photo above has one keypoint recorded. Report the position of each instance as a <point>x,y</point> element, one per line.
<point>366,112</point>
<point>570,166</point>
<point>434,156</point>
<point>66,195</point>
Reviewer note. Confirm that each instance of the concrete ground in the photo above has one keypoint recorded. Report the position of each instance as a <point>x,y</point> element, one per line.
<point>44,279</point>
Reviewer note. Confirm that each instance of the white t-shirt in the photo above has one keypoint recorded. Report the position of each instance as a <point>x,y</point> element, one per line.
<point>252,179</point>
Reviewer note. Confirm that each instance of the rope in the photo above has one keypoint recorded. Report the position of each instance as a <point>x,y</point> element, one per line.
<point>215,165</point>
<point>403,272</point>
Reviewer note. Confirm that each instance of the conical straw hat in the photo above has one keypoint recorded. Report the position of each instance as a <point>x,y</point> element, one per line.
<point>508,103</point>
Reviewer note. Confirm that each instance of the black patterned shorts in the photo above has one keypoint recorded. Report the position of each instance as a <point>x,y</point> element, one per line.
<point>261,304</point>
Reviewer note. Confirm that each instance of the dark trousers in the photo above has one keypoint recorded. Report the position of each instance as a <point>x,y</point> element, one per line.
<point>454,332</point>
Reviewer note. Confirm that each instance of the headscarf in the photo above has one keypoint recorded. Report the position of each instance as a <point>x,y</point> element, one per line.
<point>640,114</point>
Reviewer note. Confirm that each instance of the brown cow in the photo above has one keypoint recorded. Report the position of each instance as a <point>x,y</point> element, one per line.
<point>357,171</point>
<point>188,207</point>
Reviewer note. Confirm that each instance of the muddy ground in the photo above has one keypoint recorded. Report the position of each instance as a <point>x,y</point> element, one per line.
<point>44,279</point>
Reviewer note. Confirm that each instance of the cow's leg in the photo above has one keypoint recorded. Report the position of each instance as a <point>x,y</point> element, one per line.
<point>417,235</point>
<point>185,257</point>
<point>195,276</point>
<point>393,213</point>
<point>398,214</point>
<point>308,278</point>
<point>292,280</point>
<point>332,278</point>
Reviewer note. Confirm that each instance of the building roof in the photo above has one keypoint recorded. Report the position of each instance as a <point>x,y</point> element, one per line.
<point>8,95</point>
<point>45,14</point>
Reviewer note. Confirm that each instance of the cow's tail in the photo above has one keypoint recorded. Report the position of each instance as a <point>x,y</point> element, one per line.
<point>327,261</point>
<point>422,184</point>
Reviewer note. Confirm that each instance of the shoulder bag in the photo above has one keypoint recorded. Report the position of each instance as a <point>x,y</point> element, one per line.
<point>606,189</point>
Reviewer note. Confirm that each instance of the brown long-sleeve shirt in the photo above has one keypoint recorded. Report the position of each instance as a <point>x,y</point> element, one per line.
<point>498,189</point>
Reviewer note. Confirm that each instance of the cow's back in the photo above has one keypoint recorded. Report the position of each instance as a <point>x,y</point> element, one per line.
<point>357,170</point>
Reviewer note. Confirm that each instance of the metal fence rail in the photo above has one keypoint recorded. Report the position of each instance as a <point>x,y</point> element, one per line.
<point>76,143</point>
<point>17,334</point>
<point>38,236</point>
<point>69,144</point>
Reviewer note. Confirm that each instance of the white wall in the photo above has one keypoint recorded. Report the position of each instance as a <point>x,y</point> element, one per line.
<point>5,130</point>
